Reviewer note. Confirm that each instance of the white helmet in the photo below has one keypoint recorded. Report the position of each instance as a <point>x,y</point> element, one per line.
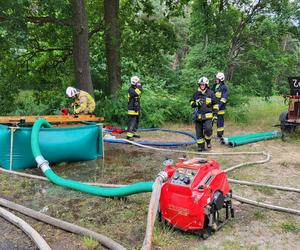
<point>203,80</point>
<point>134,80</point>
<point>220,76</point>
<point>71,91</point>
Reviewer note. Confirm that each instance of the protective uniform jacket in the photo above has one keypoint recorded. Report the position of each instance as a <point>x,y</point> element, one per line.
<point>204,104</point>
<point>84,103</point>
<point>134,95</point>
<point>221,94</point>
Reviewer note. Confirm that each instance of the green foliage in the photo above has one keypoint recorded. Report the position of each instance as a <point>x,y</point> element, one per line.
<point>38,103</point>
<point>238,106</point>
<point>170,44</point>
<point>158,107</point>
<point>7,97</point>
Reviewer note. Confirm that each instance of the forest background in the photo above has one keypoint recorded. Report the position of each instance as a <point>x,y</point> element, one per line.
<point>97,46</point>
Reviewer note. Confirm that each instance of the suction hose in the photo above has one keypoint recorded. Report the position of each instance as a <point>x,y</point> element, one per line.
<point>51,175</point>
<point>26,228</point>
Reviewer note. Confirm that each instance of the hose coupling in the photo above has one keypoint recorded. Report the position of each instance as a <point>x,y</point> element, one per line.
<point>163,175</point>
<point>42,163</point>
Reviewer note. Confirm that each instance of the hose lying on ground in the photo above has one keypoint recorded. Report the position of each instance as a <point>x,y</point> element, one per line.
<point>150,223</point>
<point>157,144</point>
<point>248,183</point>
<point>240,182</point>
<point>26,228</point>
<point>105,241</point>
<point>153,208</point>
<point>46,179</point>
<point>51,175</point>
<point>248,138</point>
<point>264,205</point>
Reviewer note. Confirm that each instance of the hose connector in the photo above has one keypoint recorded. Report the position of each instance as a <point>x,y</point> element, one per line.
<point>42,163</point>
<point>225,140</point>
<point>163,175</point>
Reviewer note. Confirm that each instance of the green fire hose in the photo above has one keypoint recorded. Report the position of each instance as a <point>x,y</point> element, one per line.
<point>53,177</point>
<point>244,139</point>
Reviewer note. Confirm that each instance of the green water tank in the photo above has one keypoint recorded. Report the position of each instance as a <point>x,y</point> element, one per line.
<point>77,143</point>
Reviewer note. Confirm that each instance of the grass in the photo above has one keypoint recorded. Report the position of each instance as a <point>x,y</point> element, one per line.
<point>259,214</point>
<point>289,226</point>
<point>266,112</point>
<point>231,245</point>
<point>204,248</point>
<point>265,190</point>
<point>89,243</point>
<point>162,236</point>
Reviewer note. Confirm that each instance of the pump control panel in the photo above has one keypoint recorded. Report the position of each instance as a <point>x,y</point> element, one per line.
<point>183,176</point>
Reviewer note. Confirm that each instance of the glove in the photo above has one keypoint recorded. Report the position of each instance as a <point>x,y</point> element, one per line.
<point>199,102</point>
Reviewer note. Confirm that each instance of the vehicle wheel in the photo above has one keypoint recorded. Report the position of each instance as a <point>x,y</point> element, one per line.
<point>283,118</point>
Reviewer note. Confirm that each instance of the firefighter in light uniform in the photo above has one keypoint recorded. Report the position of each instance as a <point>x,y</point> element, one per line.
<point>84,103</point>
<point>134,107</point>
<point>205,104</point>
<point>221,92</point>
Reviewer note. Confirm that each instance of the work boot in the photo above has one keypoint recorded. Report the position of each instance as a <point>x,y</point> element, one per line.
<point>137,136</point>
<point>220,139</point>
<point>130,138</point>
<point>208,144</point>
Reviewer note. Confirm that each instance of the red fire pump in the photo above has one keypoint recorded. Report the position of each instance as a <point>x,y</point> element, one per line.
<point>196,196</point>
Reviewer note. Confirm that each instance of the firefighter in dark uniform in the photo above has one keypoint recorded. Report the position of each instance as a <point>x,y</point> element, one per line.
<point>221,92</point>
<point>134,108</point>
<point>205,105</point>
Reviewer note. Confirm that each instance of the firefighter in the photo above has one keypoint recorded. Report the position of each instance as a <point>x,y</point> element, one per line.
<point>84,103</point>
<point>221,93</point>
<point>205,104</point>
<point>134,107</point>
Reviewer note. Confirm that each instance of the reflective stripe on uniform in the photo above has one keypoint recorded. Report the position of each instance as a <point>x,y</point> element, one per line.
<point>192,102</point>
<point>138,91</point>
<point>221,112</point>
<point>220,129</point>
<point>223,100</point>
<point>132,112</point>
<point>208,101</point>
<point>216,107</point>
<point>218,94</point>
<point>208,137</point>
<point>85,102</point>
<point>200,141</point>
<point>199,117</point>
<point>208,115</point>
<point>130,134</point>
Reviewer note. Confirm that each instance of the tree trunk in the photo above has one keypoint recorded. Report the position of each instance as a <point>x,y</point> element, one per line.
<point>112,44</point>
<point>81,47</point>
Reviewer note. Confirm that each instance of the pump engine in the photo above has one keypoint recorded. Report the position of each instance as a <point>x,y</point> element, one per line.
<point>196,197</point>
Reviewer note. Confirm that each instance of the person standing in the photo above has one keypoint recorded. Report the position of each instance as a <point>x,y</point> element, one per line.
<point>134,107</point>
<point>204,103</point>
<point>83,103</point>
<point>221,93</point>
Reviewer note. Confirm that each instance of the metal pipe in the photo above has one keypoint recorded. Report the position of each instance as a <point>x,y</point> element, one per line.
<point>12,131</point>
